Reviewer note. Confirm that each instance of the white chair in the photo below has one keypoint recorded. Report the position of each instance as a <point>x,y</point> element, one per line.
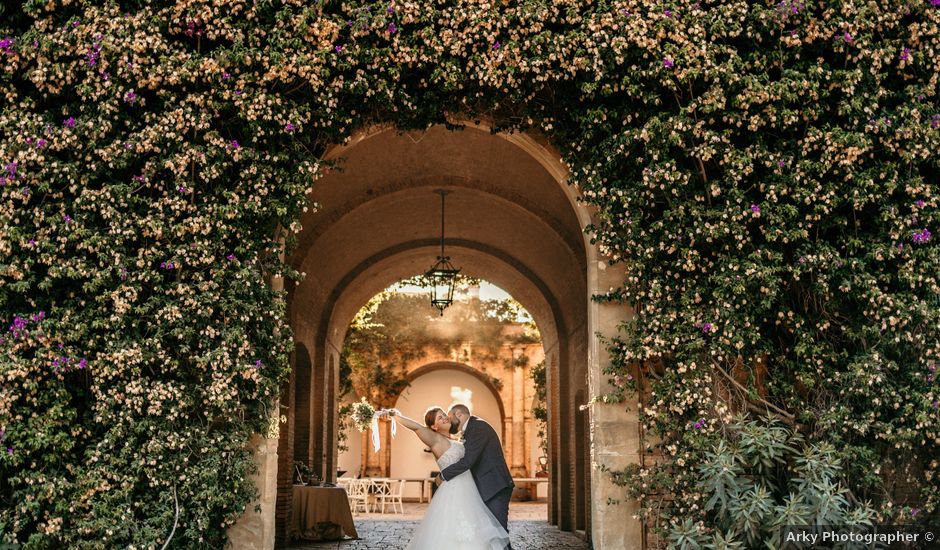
<point>358,494</point>
<point>393,496</point>
<point>378,490</point>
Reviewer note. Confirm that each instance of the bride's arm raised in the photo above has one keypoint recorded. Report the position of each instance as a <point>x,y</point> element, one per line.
<point>428,436</point>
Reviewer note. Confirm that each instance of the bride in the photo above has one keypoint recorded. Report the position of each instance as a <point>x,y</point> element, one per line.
<point>456,518</point>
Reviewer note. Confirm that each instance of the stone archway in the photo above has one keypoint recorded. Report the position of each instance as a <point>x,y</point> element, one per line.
<point>466,369</point>
<point>512,220</point>
<point>431,385</point>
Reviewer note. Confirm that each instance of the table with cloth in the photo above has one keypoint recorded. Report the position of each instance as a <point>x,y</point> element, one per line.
<point>321,513</point>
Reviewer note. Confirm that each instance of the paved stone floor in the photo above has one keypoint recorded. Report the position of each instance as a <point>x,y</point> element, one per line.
<point>528,530</point>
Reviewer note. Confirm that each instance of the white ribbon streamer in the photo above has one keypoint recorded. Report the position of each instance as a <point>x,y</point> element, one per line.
<point>376,439</point>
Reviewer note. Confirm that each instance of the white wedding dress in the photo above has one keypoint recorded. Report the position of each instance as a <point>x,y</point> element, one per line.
<point>457,518</point>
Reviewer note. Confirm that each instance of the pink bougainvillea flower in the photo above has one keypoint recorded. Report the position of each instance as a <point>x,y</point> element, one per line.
<point>496,45</point>
<point>905,54</point>
<point>668,62</point>
<point>69,122</point>
<point>392,29</point>
<point>130,98</point>
<point>755,208</point>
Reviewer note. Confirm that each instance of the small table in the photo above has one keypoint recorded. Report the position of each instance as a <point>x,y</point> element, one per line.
<point>313,505</point>
<point>425,486</point>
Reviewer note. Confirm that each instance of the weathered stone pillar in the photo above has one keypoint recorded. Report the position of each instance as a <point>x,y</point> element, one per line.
<point>615,433</point>
<point>518,421</point>
<point>255,529</point>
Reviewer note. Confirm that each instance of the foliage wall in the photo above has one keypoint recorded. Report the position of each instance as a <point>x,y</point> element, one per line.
<point>765,171</point>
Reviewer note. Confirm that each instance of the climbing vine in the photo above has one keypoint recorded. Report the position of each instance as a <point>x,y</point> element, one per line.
<point>765,172</point>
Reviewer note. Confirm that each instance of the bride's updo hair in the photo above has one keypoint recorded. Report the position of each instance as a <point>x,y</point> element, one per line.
<point>431,415</point>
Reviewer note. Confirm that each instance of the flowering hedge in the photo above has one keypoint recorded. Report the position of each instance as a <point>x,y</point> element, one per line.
<point>765,171</point>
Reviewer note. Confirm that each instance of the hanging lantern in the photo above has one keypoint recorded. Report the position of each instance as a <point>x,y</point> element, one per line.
<point>443,275</point>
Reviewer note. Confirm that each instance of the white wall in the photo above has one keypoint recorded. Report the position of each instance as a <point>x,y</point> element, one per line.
<point>434,388</point>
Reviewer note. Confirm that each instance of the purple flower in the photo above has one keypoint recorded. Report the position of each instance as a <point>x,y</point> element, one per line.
<point>182,189</point>
<point>935,2</point>
<point>18,325</point>
<point>920,203</point>
<point>905,54</point>
<point>755,208</point>
<point>167,265</point>
<point>349,23</point>
<point>67,218</point>
<point>258,364</point>
<point>40,143</point>
<point>668,63</point>
<point>234,144</point>
<point>935,404</point>
<point>338,48</point>
<point>390,10</point>
<point>226,76</point>
<point>699,424</point>
<point>69,122</point>
<point>238,92</point>
<point>82,364</point>
<point>392,29</point>
<point>123,273</point>
<point>9,450</point>
<point>6,44</point>
<point>847,36</point>
<point>289,127</point>
<point>668,13</point>
<point>707,327</point>
<point>76,23</point>
<point>230,257</point>
<point>935,120</point>
<point>130,97</point>
<point>496,45</point>
<point>11,169</point>
<point>140,178</point>
<point>921,237</point>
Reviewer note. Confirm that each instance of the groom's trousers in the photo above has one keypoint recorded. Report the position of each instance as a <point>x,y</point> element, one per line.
<point>499,505</point>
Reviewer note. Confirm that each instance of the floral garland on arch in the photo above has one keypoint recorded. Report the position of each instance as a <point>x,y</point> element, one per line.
<point>765,171</point>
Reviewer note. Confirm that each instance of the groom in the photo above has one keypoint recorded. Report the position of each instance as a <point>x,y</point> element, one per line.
<point>483,456</point>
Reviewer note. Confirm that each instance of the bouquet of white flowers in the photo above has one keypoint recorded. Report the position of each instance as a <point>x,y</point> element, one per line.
<point>362,413</point>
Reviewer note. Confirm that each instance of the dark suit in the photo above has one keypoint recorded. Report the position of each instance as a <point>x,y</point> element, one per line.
<point>484,458</point>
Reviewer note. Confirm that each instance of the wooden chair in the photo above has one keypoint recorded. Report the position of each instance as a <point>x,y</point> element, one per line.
<point>393,496</point>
